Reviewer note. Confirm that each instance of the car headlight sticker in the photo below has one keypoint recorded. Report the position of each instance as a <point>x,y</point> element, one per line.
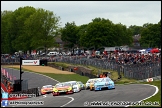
<point>55,90</point>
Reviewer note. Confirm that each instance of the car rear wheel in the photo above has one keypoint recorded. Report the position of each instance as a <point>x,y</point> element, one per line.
<point>83,88</point>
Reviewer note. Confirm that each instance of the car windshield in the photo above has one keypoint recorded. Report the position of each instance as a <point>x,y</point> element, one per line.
<point>49,86</point>
<point>62,84</point>
<point>90,81</point>
<point>80,82</point>
<point>73,83</point>
<point>59,85</point>
<point>99,80</point>
<point>67,84</point>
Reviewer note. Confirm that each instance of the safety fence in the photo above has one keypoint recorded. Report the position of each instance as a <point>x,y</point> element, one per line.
<point>135,71</point>
<point>142,71</point>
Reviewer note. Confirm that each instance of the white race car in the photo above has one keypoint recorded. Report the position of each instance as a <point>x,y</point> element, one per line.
<point>75,85</point>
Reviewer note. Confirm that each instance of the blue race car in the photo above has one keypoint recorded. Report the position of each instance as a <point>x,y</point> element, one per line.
<point>102,83</point>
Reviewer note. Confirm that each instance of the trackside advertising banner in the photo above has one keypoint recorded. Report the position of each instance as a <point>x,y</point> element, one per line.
<point>30,62</point>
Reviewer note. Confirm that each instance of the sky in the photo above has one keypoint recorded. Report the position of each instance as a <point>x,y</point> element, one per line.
<point>82,12</point>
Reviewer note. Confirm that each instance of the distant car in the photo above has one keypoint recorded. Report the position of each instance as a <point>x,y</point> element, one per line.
<point>46,89</point>
<point>101,83</point>
<point>81,85</point>
<point>52,53</point>
<point>75,85</point>
<point>155,50</point>
<point>87,85</point>
<point>62,88</point>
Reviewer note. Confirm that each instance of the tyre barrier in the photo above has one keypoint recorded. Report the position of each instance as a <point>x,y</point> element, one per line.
<point>71,70</point>
<point>61,68</point>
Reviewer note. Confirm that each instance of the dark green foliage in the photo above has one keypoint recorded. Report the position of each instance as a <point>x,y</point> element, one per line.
<point>151,35</point>
<point>28,28</point>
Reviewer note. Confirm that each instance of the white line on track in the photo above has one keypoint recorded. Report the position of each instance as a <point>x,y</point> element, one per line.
<point>156,91</point>
<point>72,99</point>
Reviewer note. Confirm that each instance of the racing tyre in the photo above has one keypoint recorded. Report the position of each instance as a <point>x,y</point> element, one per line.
<point>83,88</point>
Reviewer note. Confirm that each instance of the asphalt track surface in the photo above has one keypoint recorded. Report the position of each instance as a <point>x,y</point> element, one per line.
<point>131,92</point>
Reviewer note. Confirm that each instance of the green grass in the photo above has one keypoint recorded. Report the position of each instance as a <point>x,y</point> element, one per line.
<point>69,77</point>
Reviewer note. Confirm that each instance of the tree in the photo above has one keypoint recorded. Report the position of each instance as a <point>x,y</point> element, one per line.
<point>42,27</point>
<point>102,32</point>
<point>22,39</point>
<point>151,35</point>
<point>123,35</point>
<point>136,29</point>
<point>6,32</point>
<point>99,33</point>
<point>69,34</point>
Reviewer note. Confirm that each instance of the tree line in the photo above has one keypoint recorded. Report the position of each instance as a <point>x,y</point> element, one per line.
<point>29,28</point>
<point>103,32</point>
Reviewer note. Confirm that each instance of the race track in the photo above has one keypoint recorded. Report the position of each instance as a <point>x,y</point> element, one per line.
<point>132,92</point>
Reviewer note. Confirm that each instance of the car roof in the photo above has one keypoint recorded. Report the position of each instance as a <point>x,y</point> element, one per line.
<point>92,79</point>
<point>62,83</point>
<point>106,78</point>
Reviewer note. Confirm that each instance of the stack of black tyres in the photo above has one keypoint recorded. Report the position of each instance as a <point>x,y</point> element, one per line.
<point>43,62</point>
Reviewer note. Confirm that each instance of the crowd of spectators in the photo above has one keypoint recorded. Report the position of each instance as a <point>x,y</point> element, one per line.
<point>133,58</point>
<point>122,58</point>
